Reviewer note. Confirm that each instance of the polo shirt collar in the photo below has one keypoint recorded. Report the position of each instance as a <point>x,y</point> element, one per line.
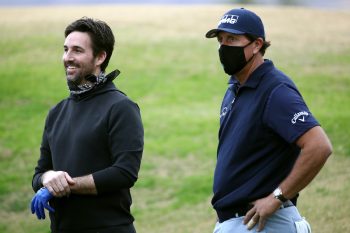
<point>255,78</point>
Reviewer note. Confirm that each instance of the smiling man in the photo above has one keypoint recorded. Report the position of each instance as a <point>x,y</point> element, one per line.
<point>270,145</point>
<point>92,142</point>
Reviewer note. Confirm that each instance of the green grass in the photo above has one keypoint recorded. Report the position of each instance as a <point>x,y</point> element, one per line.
<point>173,73</point>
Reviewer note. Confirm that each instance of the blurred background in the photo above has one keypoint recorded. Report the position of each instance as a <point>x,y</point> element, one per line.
<point>173,72</point>
<point>308,3</point>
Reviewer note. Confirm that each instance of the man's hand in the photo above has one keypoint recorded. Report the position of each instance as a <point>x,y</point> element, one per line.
<point>41,201</point>
<point>262,209</point>
<point>57,182</point>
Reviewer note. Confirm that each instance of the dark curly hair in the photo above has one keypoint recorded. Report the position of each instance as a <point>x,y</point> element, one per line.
<point>100,33</point>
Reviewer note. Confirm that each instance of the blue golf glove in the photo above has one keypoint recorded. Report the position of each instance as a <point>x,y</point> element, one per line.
<point>41,201</point>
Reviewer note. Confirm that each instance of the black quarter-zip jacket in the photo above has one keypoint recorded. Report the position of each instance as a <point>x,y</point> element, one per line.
<point>99,133</point>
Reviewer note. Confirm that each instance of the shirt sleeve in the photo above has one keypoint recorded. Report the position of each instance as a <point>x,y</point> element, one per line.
<point>287,114</point>
<point>126,134</point>
<point>45,161</point>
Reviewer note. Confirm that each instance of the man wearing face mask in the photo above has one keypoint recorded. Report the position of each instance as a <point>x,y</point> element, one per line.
<point>92,142</point>
<point>270,145</point>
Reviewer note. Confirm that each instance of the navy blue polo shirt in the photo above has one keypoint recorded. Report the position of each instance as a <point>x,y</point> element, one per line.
<point>260,122</point>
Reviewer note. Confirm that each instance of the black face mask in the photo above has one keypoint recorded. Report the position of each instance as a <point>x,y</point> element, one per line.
<point>233,58</point>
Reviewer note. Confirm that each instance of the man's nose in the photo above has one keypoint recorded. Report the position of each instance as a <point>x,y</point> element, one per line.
<point>67,56</point>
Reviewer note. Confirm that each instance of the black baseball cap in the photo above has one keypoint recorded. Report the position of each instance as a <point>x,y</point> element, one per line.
<point>239,21</point>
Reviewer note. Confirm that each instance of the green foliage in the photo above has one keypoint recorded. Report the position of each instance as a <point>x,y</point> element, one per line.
<point>173,73</point>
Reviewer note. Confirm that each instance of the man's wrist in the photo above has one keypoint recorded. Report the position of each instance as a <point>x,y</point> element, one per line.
<point>42,178</point>
<point>278,194</point>
<point>84,185</point>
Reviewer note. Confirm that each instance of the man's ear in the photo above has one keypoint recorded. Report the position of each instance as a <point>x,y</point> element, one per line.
<point>258,44</point>
<point>100,58</point>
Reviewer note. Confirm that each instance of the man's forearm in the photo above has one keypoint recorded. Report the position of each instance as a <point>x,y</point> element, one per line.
<point>302,174</point>
<point>84,185</point>
<point>315,151</point>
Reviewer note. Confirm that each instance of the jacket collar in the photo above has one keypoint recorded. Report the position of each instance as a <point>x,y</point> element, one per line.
<point>104,87</point>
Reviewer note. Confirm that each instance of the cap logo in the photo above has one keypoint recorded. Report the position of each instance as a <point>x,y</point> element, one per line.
<point>231,19</point>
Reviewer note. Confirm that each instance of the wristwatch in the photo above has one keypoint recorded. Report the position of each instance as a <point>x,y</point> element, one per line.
<point>277,193</point>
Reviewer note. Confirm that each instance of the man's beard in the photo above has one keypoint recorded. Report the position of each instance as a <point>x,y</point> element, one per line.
<point>78,78</point>
<point>80,72</point>
<point>79,82</point>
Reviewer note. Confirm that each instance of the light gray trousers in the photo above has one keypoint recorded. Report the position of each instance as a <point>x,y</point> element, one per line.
<point>286,220</point>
